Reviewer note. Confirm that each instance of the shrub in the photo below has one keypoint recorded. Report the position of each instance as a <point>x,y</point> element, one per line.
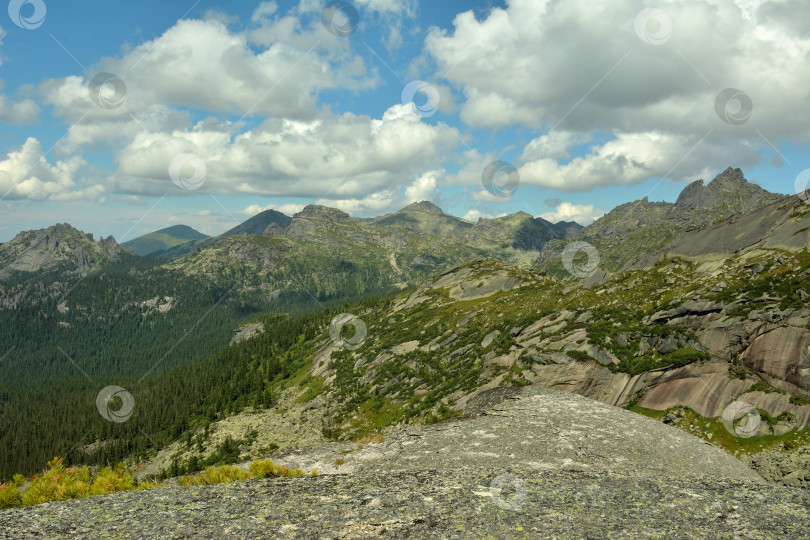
<point>685,356</point>
<point>9,496</point>
<point>582,356</point>
<point>111,480</point>
<point>264,468</point>
<point>57,484</point>
<point>214,475</point>
<point>799,400</point>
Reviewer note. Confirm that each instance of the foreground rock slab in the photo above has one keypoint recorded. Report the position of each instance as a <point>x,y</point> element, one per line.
<point>526,463</point>
<point>430,504</point>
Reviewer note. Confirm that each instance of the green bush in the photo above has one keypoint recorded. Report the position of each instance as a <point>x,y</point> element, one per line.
<point>265,468</point>
<point>9,496</point>
<point>60,483</point>
<point>581,356</point>
<point>214,475</point>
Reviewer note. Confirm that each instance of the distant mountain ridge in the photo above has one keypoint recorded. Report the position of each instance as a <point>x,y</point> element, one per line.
<point>423,237</point>
<point>697,205</point>
<point>643,227</point>
<point>155,243</point>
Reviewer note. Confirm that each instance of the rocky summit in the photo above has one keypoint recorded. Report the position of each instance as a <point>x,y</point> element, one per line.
<point>521,463</point>
<point>57,247</point>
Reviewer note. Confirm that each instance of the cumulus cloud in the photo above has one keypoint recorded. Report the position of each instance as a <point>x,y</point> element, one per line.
<point>26,174</point>
<point>25,111</point>
<point>263,11</point>
<point>423,188</point>
<point>289,209</point>
<point>407,7</point>
<point>373,203</point>
<point>580,69</point>
<point>631,158</point>
<point>202,64</point>
<point>475,213</point>
<point>342,157</point>
<point>601,106</point>
<point>584,214</point>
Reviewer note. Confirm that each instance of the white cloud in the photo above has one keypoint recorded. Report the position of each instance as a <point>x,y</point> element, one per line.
<point>580,68</point>
<point>584,214</point>
<point>632,158</point>
<point>554,145</point>
<point>264,10</point>
<point>343,157</point>
<point>423,188</point>
<point>482,195</point>
<point>18,112</point>
<point>374,203</point>
<point>202,64</point>
<point>26,174</point>
<point>474,214</point>
<point>289,209</point>
<point>407,7</point>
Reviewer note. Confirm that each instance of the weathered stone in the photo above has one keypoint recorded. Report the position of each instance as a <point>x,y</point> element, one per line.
<point>780,351</point>
<point>572,468</point>
<point>668,345</point>
<point>246,331</point>
<point>690,308</point>
<point>598,277</point>
<point>405,348</point>
<point>489,338</point>
<point>705,388</point>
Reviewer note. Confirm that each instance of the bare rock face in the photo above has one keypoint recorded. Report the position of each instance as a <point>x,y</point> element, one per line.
<point>780,351</point>
<point>58,245</point>
<point>245,332</point>
<point>707,389</point>
<point>475,279</point>
<point>533,463</point>
<point>782,224</point>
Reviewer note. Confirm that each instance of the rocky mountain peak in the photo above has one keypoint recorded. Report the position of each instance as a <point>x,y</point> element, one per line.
<point>731,174</point>
<point>728,190</point>
<point>316,211</point>
<point>691,195</point>
<point>424,207</point>
<point>34,250</point>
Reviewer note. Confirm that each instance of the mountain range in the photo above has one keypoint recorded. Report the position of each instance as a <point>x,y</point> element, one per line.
<point>287,332</point>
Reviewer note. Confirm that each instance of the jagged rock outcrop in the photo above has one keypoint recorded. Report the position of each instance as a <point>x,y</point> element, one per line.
<point>779,225</point>
<point>245,332</point>
<point>727,194</point>
<point>59,245</point>
<point>532,463</point>
<point>474,281</point>
<point>632,234</point>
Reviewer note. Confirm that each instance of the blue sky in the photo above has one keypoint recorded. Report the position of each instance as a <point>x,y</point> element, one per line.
<point>122,118</point>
